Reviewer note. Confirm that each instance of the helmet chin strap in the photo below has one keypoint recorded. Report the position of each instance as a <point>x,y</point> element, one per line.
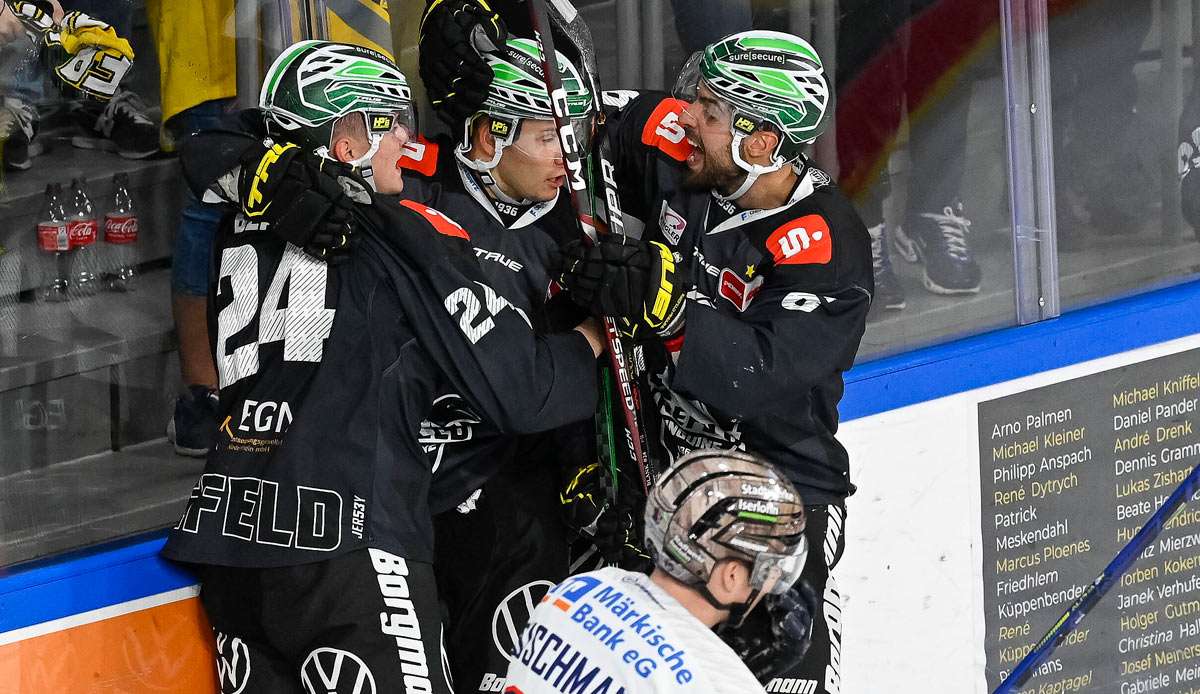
<point>737,610</point>
<point>362,164</point>
<point>484,168</point>
<point>753,171</point>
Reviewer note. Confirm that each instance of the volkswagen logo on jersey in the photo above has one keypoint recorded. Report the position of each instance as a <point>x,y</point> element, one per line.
<point>450,421</point>
<point>233,663</point>
<point>333,671</point>
<point>512,614</point>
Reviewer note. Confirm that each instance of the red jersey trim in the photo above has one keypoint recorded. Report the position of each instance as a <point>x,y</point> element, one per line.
<point>443,224</point>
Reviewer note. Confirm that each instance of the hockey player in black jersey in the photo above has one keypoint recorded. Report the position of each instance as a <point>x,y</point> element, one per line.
<point>311,526</point>
<point>502,177</point>
<point>750,285</point>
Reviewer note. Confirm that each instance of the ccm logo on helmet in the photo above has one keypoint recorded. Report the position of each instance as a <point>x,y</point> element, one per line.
<point>805,241</point>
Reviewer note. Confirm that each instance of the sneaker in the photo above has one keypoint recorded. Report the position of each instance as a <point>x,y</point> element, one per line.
<point>120,126</point>
<point>18,125</point>
<point>940,241</point>
<point>889,295</point>
<point>193,428</point>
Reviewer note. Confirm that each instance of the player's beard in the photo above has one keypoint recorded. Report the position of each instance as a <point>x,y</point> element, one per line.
<point>717,173</point>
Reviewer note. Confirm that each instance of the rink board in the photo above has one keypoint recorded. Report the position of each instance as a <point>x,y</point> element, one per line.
<point>120,619</point>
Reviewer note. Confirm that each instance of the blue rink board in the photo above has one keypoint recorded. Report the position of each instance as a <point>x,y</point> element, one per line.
<point>110,574</point>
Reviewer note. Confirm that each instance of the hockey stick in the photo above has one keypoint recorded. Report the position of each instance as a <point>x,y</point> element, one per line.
<point>585,210</point>
<point>1096,590</point>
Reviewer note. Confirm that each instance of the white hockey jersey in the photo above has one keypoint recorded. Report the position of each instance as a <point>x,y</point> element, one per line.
<point>616,632</point>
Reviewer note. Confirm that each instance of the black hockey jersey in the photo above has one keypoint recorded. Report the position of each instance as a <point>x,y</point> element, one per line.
<point>515,245</point>
<point>777,306</point>
<point>328,371</point>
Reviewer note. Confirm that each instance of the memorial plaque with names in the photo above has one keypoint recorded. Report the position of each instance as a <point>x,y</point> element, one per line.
<point>1069,473</point>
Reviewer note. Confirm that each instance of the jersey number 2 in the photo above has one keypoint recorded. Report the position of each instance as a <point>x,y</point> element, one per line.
<point>303,326</point>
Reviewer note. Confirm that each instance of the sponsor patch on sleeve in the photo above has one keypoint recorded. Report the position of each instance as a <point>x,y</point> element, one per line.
<point>664,132</point>
<point>420,156</point>
<point>443,224</point>
<point>803,241</point>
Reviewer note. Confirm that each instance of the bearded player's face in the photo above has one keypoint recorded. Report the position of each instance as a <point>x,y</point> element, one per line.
<point>706,123</point>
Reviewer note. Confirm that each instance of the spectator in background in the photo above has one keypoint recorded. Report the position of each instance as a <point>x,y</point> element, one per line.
<point>20,89</point>
<point>198,82</point>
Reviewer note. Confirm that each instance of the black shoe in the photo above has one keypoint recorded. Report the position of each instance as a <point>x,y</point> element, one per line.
<point>941,241</point>
<point>193,427</point>
<point>120,126</point>
<point>18,126</point>
<point>889,295</point>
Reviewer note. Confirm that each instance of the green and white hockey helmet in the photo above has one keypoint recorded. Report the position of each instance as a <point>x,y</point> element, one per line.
<point>313,84</point>
<point>518,92</point>
<point>768,78</point>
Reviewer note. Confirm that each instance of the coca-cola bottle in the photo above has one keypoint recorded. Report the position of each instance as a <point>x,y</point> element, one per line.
<point>120,237</point>
<point>82,229</point>
<point>55,243</point>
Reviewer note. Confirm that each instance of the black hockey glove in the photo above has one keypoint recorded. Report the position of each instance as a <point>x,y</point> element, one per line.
<point>454,35</point>
<point>299,196</point>
<point>584,499</point>
<point>634,281</point>
<point>774,652</point>
<point>619,542</point>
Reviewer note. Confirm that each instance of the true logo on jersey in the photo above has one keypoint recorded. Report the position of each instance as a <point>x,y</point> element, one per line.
<point>671,223</point>
<point>443,224</point>
<point>739,292</point>
<point>419,155</point>
<point>664,132</point>
<point>804,241</point>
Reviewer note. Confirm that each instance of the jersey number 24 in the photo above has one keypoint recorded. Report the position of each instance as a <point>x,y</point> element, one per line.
<point>303,326</point>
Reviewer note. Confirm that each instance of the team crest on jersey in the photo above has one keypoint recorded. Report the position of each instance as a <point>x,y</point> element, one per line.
<point>738,291</point>
<point>671,223</point>
<point>804,241</point>
<point>450,421</point>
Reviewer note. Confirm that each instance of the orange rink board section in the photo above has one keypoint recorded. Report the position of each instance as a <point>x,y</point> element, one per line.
<point>128,649</point>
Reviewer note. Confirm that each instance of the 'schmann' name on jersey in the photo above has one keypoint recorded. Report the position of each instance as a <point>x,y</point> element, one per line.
<point>550,657</point>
